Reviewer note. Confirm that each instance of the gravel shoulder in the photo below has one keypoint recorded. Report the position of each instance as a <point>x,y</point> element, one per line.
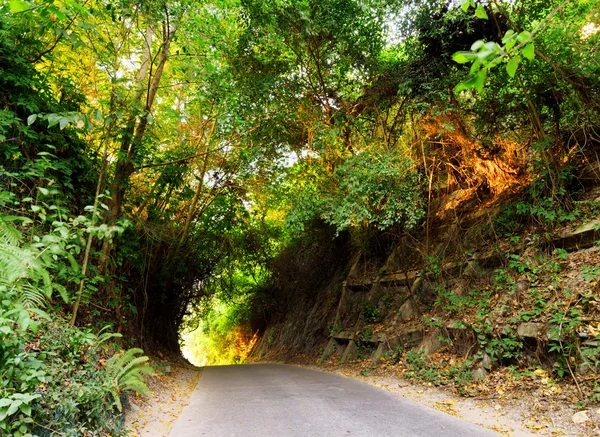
<point>171,388</point>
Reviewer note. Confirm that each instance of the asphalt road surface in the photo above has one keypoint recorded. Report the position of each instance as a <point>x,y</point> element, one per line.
<point>275,400</point>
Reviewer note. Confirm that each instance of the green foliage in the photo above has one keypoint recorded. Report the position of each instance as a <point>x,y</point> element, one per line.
<point>335,328</point>
<point>39,351</point>
<point>457,304</point>
<point>263,111</point>
<point>371,313</point>
<point>125,372</point>
<point>378,189</point>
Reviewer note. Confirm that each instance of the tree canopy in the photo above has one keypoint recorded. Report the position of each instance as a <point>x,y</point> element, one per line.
<point>166,152</point>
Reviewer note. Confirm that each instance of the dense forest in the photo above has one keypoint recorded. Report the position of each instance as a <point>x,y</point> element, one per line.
<point>164,163</point>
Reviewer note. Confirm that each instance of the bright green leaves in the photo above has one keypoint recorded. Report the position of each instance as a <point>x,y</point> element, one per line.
<point>513,65</point>
<point>61,119</point>
<point>463,57</point>
<point>524,39</point>
<point>466,4</point>
<point>484,56</point>
<point>15,403</point>
<point>528,51</point>
<point>480,11</point>
<point>476,81</point>
<point>17,6</point>
<point>373,188</point>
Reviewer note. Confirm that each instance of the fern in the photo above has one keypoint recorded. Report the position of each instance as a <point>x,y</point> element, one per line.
<point>24,277</point>
<point>125,373</point>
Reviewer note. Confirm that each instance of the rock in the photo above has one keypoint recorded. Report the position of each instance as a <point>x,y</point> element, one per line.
<point>134,407</point>
<point>486,362</point>
<point>378,353</point>
<point>473,270</point>
<point>329,350</point>
<point>530,330</point>
<point>349,353</point>
<point>523,284</point>
<point>581,417</point>
<point>432,343</point>
<point>407,340</point>
<point>582,237</point>
<point>479,374</point>
<point>407,311</point>
<point>344,336</point>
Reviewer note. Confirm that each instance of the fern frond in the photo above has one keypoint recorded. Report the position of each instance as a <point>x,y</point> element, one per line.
<point>125,372</point>
<point>8,234</point>
<point>30,295</point>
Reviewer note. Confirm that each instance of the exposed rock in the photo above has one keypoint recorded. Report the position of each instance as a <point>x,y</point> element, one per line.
<point>329,350</point>
<point>378,353</point>
<point>581,417</point>
<point>407,340</point>
<point>523,284</point>
<point>473,270</point>
<point>479,374</point>
<point>344,336</point>
<point>530,330</point>
<point>486,362</point>
<point>399,278</point>
<point>349,353</point>
<point>408,311</point>
<point>432,343</point>
<point>582,237</point>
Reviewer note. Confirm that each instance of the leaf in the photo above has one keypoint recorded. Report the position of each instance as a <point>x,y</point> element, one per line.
<point>31,119</point>
<point>26,409</point>
<point>524,36</point>
<point>528,51</point>
<point>508,35</point>
<point>463,57</point>
<point>64,121</point>
<point>476,82</point>
<point>484,54</point>
<point>17,6</point>
<point>477,45</point>
<point>475,67</point>
<point>466,4</point>
<point>510,43</point>
<point>513,65</point>
<point>480,12</point>
<point>14,407</point>
<point>53,119</point>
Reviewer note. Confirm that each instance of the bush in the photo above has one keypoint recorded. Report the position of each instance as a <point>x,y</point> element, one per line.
<point>54,378</point>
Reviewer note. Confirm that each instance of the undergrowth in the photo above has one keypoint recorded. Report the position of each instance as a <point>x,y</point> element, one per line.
<point>491,319</point>
<point>55,378</point>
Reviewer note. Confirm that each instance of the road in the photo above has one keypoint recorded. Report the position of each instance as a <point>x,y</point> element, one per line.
<point>275,400</point>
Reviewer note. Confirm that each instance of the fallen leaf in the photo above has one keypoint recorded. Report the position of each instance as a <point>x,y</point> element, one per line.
<point>580,417</point>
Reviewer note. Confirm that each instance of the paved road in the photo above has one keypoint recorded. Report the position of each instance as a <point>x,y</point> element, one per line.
<point>274,400</point>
